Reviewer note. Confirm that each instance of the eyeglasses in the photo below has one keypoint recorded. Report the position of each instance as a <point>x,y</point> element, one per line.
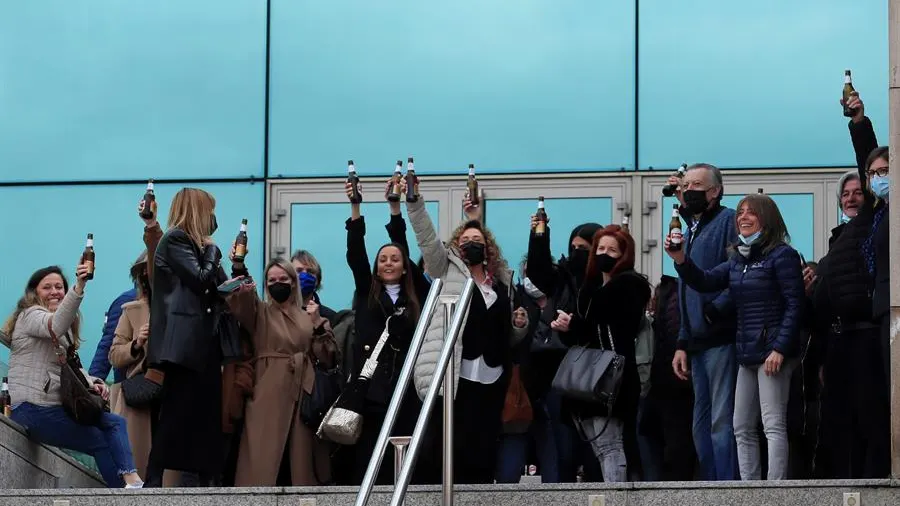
<point>883,171</point>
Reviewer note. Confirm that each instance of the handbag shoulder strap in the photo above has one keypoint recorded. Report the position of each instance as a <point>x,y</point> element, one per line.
<point>612,343</point>
<point>372,362</point>
<point>60,353</point>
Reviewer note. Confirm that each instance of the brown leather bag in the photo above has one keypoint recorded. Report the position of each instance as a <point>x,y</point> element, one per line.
<point>79,400</point>
<point>517,411</point>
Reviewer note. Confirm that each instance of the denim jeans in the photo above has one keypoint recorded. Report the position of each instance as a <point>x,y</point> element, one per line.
<point>758,394</point>
<point>107,442</point>
<point>714,373</point>
<point>554,443</point>
<point>606,436</point>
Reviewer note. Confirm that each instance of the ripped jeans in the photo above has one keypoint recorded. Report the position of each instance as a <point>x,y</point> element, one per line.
<point>107,442</point>
<point>608,445</point>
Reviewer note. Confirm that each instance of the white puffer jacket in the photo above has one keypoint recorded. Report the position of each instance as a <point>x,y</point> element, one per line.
<point>444,263</point>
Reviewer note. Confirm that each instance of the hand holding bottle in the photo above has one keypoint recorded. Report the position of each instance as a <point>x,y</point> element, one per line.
<point>473,211</point>
<point>82,272</point>
<point>231,254</point>
<point>348,189</point>
<point>148,222</point>
<point>855,104</point>
<point>677,255</point>
<point>675,182</point>
<point>535,221</point>
<point>394,204</point>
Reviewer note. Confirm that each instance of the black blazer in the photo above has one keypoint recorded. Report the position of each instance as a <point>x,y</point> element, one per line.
<point>185,303</point>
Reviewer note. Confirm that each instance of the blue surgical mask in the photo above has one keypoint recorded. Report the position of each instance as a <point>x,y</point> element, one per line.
<point>747,241</point>
<point>308,283</point>
<point>881,186</point>
<point>844,218</point>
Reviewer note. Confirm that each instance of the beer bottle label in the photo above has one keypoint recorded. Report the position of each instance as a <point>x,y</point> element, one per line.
<point>90,265</point>
<point>675,236</point>
<point>240,250</point>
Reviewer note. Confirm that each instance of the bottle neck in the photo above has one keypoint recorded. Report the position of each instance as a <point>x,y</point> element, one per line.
<point>243,228</point>
<point>471,172</point>
<point>848,80</point>
<point>90,243</point>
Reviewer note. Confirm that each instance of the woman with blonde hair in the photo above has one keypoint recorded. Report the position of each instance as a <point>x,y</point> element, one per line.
<point>766,282</point>
<point>288,342</point>
<point>183,341</point>
<point>45,323</point>
<point>483,351</point>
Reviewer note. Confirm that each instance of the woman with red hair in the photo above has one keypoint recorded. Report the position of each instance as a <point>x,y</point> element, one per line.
<point>612,302</point>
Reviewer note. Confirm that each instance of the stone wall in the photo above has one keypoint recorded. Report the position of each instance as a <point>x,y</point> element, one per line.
<point>26,464</point>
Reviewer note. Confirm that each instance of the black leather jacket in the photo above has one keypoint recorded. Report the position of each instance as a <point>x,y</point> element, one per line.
<point>185,303</point>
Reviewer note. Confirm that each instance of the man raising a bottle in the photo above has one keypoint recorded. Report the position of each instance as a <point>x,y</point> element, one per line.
<point>707,321</point>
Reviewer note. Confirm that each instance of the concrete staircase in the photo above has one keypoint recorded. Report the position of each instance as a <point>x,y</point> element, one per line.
<point>796,493</point>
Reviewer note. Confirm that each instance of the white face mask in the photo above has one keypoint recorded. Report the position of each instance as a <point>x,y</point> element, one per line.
<point>531,290</point>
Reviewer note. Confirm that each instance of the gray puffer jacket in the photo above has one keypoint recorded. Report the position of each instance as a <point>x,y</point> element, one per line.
<point>441,262</point>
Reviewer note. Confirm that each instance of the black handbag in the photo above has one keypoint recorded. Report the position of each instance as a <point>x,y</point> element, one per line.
<point>326,390</point>
<point>79,400</point>
<point>591,375</point>
<point>139,392</point>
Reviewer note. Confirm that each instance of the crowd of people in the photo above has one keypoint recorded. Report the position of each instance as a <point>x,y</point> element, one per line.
<point>751,364</point>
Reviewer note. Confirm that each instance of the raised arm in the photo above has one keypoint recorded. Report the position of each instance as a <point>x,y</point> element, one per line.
<point>712,280</point>
<point>433,250</point>
<point>152,235</point>
<point>862,134</point>
<point>195,268</point>
<point>539,268</point>
<point>358,257</point>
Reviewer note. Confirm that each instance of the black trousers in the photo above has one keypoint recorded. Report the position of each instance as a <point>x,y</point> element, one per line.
<point>855,406</point>
<point>668,422</point>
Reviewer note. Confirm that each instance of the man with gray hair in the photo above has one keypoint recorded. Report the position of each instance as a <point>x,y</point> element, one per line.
<point>708,323</point>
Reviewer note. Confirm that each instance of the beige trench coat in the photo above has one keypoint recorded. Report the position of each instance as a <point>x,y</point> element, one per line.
<point>283,337</point>
<point>134,315</point>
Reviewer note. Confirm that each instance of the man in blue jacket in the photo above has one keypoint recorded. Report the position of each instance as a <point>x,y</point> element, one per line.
<point>708,323</point>
<point>100,365</point>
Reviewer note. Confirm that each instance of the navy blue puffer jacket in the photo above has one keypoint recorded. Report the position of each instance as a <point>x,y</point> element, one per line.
<point>768,293</point>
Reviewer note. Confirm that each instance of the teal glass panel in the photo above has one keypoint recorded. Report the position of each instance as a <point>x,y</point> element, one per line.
<point>510,85</point>
<point>757,84</point>
<point>121,90</point>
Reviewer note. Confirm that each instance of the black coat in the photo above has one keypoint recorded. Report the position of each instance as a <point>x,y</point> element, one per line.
<point>371,318</point>
<point>185,303</point>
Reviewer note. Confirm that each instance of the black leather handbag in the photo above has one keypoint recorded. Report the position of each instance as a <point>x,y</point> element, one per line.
<point>326,390</point>
<point>139,392</point>
<point>591,374</point>
<point>79,400</point>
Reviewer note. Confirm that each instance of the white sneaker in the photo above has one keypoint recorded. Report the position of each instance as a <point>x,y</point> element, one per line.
<point>139,484</point>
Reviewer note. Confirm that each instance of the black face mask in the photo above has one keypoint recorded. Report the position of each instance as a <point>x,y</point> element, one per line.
<point>213,225</point>
<point>604,262</point>
<point>280,292</point>
<point>578,262</point>
<point>473,252</point>
<point>695,201</point>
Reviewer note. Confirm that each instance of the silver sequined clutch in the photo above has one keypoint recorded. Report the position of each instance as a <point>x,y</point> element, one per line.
<point>341,426</point>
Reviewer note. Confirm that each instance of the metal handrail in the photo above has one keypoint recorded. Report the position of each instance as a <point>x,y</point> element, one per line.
<point>365,489</point>
<point>415,444</point>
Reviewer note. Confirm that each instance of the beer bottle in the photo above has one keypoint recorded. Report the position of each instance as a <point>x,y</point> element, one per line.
<point>149,210</point>
<point>5,399</point>
<point>625,224</point>
<point>670,189</point>
<point>848,89</point>
<point>88,256</point>
<point>675,236</point>
<point>394,194</point>
<point>353,179</point>
<point>240,243</point>
<point>472,186</point>
<point>412,182</point>
<point>541,216</point>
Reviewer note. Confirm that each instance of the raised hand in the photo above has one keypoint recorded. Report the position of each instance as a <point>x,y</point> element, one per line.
<point>149,222</point>
<point>856,104</point>
<point>473,212</point>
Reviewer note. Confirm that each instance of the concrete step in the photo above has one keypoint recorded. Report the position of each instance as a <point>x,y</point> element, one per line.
<point>786,493</point>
